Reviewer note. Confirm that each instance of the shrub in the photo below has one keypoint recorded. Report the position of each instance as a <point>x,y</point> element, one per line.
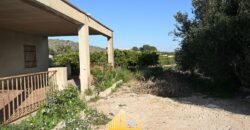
<point>98,58</point>
<point>62,105</point>
<point>123,74</point>
<point>107,77</point>
<point>149,59</point>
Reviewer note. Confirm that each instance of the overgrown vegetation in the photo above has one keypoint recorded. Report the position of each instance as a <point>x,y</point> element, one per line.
<point>144,57</point>
<point>216,41</point>
<point>62,106</point>
<point>105,78</point>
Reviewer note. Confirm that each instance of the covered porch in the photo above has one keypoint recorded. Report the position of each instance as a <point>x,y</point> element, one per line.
<point>25,26</point>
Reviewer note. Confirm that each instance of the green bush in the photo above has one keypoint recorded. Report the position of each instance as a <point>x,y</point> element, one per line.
<point>106,78</point>
<point>165,60</point>
<point>130,58</point>
<point>98,58</point>
<point>61,105</point>
<point>103,79</point>
<point>149,59</point>
<point>123,74</point>
<point>67,56</point>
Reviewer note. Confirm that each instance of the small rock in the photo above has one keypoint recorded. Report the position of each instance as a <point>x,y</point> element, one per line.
<point>111,114</point>
<point>122,105</point>
<point>212,106</point>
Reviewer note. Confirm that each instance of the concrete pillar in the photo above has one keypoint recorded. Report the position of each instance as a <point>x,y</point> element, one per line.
<point>84,57</point>
<point>111,52</point>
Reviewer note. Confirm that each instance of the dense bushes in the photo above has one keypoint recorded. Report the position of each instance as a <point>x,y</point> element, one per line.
<point>98,58</point>
<point>136,58</point>
<point>66,56</point>
<point>147,56</point>
<point>64,105</point>
<point>216,42</point>
<point>107,77</point>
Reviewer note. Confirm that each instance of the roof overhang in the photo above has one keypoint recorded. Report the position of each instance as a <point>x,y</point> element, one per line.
<point>47,17</point>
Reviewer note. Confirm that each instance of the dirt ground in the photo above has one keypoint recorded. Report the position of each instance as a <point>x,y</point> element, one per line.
<point>190,113</point>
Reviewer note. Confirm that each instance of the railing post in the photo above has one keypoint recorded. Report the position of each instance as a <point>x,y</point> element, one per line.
<point>4,114</point>
<point>25,92</point>
<point>8,91</point>
<point>29,92</point>
<point>17,88</point>
<point>21,87</point>
<point>12,96</point>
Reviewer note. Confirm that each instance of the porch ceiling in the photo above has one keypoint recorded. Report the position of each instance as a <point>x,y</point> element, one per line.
<point>26,16</point>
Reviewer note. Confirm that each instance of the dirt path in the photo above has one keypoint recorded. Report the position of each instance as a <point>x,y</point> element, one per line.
<point>190,113</point>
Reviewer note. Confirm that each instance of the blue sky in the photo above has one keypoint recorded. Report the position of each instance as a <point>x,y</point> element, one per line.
<point>135,22</point>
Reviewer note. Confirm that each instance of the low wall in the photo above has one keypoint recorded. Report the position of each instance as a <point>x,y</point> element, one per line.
<point>61,77</point>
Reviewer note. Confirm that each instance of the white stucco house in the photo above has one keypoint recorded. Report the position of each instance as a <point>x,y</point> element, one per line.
<point>25,26</point>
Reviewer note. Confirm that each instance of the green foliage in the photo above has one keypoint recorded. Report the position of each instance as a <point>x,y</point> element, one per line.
<point>149,59</point>
<point>52,52</point>
<point>166,60</point>
<point>103,79</point>
<point>216,42</point>
<point>120,58</point>
<point>136,58</point>
<point>65,55</point>
<point>62,105</point>
<point>106,78</point>
<point>148,48</point>
<point>123,74</point>
<point>88,91</point>
<point>99,58</point>
<point>135,49</point>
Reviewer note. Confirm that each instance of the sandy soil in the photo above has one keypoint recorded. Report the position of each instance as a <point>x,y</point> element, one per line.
<point>189,113</point>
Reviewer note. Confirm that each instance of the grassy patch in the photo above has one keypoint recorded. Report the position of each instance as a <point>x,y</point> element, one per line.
<point>88,92</point>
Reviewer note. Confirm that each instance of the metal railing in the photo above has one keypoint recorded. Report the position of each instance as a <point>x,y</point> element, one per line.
<point>23,94</point>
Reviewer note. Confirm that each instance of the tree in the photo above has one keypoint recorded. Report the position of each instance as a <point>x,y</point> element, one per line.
<point>135,49</point>
<point>148,48</point>
<point>149,59</point>
<point>216,41</point>
<point>64,56</point>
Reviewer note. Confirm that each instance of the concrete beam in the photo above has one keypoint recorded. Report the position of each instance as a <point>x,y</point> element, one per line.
<point>67,10</point>
<point>84,57</point>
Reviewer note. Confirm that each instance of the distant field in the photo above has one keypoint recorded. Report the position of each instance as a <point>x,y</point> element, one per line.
<point>167,59</point>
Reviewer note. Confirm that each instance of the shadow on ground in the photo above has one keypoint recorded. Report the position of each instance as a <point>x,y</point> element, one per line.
<point>197,90</point>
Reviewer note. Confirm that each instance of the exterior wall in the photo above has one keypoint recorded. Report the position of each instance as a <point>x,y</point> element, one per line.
<point>12,53</point>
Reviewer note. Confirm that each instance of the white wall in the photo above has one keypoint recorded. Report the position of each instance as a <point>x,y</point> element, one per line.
<point>12,52</point>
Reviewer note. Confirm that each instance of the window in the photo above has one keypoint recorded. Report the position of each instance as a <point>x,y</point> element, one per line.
<point>30,56</point>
